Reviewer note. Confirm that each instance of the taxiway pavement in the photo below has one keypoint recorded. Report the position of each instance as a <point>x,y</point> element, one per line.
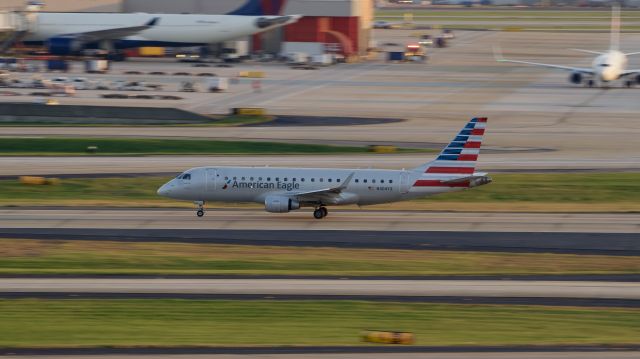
<point>328,287</point>
<point>373,220</point>
<point>523,161</point>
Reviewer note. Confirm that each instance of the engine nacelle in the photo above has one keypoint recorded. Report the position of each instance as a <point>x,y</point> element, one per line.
<point>576,78</point>
<point>637,79</point>
<point>280,204</point>
<point>64,45</point>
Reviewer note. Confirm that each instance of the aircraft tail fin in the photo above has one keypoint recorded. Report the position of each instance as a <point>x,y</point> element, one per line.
<point>461,155</point>
<point>588,51</point>
<point>260,8</point>
<point>615,28</point>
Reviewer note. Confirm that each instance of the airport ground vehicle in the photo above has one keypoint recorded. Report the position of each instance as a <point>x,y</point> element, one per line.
<point>217,84</point>
<point>282,190</point>
<point>81,83</point>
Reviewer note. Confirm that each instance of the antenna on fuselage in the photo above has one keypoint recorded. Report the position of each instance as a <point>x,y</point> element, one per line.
<point>615,28</point>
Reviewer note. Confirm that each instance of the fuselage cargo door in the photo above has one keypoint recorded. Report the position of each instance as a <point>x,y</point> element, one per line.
<point>404,182</point>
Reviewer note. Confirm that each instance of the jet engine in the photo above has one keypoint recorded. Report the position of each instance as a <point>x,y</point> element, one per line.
<point>280,204</point>
<point>64,45</point>
<point>575,78</point>
<point>638,79</point>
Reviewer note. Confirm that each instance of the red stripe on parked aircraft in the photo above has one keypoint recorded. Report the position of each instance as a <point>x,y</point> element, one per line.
<point>437,183</point>
<point>477,132</point>
<point>465,170</point>
<point>472,144</point>
<point>467,157</point>
<point>482,119</point>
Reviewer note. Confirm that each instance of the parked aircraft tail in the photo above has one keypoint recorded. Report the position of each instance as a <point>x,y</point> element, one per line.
<point>615,28</point>
<point>461,155</point>
<point>260,7</point>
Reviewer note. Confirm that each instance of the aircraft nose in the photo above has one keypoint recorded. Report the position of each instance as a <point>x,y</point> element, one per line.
<point>164,190</point>
<point>609,75</point>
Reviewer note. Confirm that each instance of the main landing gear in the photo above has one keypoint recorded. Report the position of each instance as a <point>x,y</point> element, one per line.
<point>320,213</point>
<point>200,211</point>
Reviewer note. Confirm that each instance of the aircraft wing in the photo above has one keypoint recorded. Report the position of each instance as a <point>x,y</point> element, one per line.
<point>115,33</point>
<point>497,54</point>
<point>630,72</point>
<point>323,195</point>
<point>582,70</point>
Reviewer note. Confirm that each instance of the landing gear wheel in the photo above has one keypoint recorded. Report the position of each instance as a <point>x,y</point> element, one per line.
<point>628,84</point>
<point>591,83</point>
<point>200,211</point>
<point>320,213</point>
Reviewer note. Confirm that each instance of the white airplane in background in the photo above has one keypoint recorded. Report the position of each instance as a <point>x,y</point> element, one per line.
<point>606,67</point>
<point>285,189</point>
<point>69,33</point>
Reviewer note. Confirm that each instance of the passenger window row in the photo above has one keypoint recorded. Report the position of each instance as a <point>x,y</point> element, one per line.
<point>313,179</point>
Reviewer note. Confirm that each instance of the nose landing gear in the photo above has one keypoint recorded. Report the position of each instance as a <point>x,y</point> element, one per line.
<point>200,211</point>
<point>320,212</point>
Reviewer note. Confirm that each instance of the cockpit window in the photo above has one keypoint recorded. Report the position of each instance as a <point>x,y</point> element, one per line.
<point>185,176</point>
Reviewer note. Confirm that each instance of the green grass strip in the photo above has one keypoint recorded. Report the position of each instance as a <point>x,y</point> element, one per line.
<point>619,191</point>
<point>21,256</point>
<point>137,146</point>
<point>70,323</point>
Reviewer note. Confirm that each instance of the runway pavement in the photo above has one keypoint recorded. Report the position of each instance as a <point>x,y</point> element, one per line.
<point>490,223</point>
<point>326,287</point>
<point>519,242</point>
<point>516,160</point>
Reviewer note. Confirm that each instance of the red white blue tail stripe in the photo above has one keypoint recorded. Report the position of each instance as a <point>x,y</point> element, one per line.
<point>456,160</point>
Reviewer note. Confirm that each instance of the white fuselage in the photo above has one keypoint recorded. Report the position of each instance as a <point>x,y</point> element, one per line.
<point>254,184</point>
<point>170,28</point>
<point>609,66</point>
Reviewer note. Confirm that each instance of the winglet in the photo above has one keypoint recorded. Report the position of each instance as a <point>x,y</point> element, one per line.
<point>152,22</point>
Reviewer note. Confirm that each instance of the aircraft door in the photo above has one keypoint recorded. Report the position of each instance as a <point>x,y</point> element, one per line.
<point>404,182</point>
<point>212,177</point>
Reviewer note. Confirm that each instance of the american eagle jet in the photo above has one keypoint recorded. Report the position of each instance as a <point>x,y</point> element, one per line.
<point>281,190</point>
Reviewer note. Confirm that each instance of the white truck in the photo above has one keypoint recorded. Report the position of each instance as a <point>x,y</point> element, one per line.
<point>217,84</point>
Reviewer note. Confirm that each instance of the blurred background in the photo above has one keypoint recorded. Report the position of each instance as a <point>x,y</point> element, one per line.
<point>541,263</point>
